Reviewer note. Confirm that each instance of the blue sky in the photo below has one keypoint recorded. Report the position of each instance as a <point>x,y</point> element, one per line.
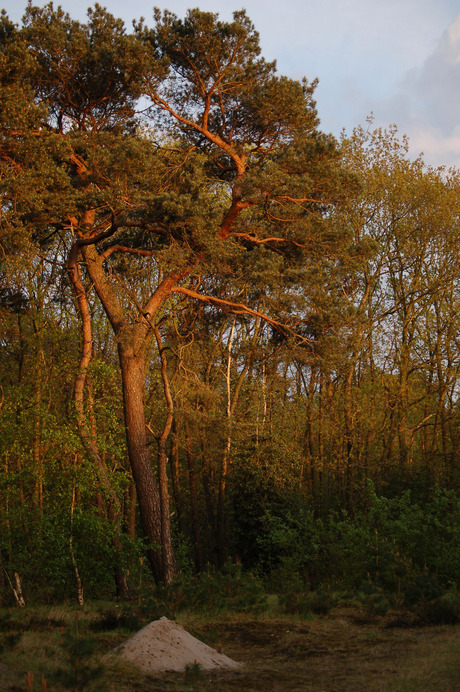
<point>397,59</point>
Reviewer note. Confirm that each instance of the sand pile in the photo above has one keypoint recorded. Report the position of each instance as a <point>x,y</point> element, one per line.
<point>165,646</point>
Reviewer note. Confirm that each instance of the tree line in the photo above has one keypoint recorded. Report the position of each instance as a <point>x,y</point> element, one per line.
<point>213,313</point>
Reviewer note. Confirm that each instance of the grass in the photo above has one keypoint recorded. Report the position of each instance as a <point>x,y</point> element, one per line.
<point>340,651</point>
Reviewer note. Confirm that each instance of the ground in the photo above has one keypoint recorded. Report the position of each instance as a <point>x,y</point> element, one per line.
<point>345,650</point>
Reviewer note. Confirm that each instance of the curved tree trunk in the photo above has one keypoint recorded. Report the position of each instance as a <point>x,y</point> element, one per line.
<point>132,340</point>
<point>88,436</point>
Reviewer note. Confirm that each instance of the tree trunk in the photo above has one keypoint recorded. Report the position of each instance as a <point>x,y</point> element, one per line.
<point>169,561</point>
<point>132,341</point>
<point>148,494</point>
<point>193,500</point>
<point>88,435</point>
<point>221,539</point>
<point>130,517</point>
<point>174,467</point>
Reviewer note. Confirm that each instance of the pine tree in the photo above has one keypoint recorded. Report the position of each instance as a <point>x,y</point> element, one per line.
<point>175,164</point>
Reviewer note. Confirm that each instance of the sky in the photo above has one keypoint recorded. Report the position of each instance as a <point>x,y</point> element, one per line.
<point>397,60</point>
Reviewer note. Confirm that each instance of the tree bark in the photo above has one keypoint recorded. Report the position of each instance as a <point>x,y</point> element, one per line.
<point>148,495</point>
<point>132,340</point>
<point>168,557</point>
<point>193,499</point>
<point>88,436</point>
<point>131,511</point>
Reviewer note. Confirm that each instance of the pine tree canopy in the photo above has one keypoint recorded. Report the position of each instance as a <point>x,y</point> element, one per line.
<point>184,143</point>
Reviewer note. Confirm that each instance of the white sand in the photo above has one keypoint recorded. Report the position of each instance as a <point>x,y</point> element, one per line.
<point>165,646</point>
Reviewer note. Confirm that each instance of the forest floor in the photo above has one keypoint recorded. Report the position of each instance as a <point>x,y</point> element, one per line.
<point>347,650</point>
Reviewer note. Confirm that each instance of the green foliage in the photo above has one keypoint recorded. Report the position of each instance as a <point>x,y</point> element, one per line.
<point>41,555</point>
<point>193,673</point>
<point>444,610</point>
<point>207,59</point>
<point>228,590</point>
<point>392,546</point>
<point>9,641</point>
<point>425,587</point>
<point>121,619</point>
<point>287,539</point>
<point>373,597</point>
<point>223,190</point>
<point>427,535</point>
<point>297,599</point>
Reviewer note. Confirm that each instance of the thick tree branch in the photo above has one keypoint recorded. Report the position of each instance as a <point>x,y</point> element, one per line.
<point>241,309</point>
<point>128,250</point>
<point>263,241</point>
<point>230,217</point>
<point>300,200</point>
<point>211,136</point>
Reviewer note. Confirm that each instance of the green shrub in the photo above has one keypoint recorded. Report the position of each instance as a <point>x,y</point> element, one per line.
<point>444,610</point>
<point>193,673</point>
<point>296,602</point>
<point>407,550</point>
<point>110,620</point>
<point>322,602</point>
<point>79,646</point>
<point>231,590</point>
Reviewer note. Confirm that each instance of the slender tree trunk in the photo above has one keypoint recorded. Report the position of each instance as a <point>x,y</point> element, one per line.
<point>169,561</point>
<point>37,451</point>
<point>193,499</point>
<point>403,405</point>
<point>131,512</point>
<point>78,581</point>
<point>174,465</point>
<point>225,456</point>
<point>321,434</point>
<point>309,436</point>
<point>2,580</point>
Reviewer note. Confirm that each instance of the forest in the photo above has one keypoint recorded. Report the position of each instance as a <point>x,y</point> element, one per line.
<point>230,343</point>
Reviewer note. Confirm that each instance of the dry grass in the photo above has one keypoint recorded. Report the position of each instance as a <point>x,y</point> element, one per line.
<point>340,652</point>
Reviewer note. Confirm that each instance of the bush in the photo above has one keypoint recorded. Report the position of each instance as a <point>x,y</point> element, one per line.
<point>228,590</point>
<point>111,620</point>
<point>404,549</point>
<point>79,646</point>
<point>441,611</point>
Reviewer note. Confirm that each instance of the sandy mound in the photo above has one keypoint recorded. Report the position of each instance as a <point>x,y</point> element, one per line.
<point>165,646</point>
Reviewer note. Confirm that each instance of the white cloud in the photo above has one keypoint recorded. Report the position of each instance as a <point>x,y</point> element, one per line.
<point>427,104</point>
<point>453,40</point>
